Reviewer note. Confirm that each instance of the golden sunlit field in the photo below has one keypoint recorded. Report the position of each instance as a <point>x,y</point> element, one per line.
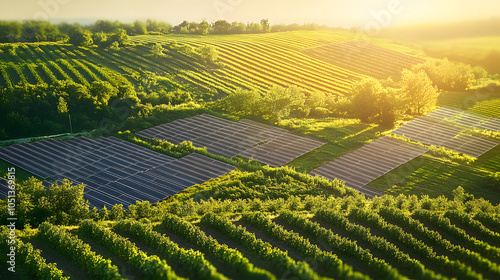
<point>229,148</point>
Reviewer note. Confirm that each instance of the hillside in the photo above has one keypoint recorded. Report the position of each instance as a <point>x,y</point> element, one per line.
<point>293,234</point>
<point>187,167</point>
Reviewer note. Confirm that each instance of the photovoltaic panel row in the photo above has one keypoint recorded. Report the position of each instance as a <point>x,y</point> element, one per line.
<point>220,136</point>
<point>470,145</point>
<point>4,188</point>
<point>369,162</point>
<point>466,119</point>
<point>246,138</point>
<point>282,149</point>
<point>115,171</point>
<point>458,117</point>
<point>491,124</point>
<point>428,130</point>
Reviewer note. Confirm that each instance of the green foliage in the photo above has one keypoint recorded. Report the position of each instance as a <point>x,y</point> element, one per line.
<point>73,248</point>
<point>157,49</point>
<point>208,53</point>
<point>81,38</point>
<point>447,75</point>
<point>279,102</point>
<point>30,261</point>
<point>152,267</point>
<point>62,106</point>
<point>191,262</point>
<point>231,258</point>
<point>242,102</point>
<point>61,203</point>
<point>419,93</point>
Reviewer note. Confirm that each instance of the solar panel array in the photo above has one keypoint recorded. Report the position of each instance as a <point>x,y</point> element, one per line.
<point>267,144</point>
<point>369,162</point>
<point>443,126</point>
<point>4,188</point>
<point>115,171</point>
<point>470,145</point>
<point>458,117</point>
<point>428,130</point>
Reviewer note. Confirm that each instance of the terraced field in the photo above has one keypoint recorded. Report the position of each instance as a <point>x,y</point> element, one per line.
<point>252,61</point>
<point>365,58</point>
<point>289,58</point>
<point>329,243</point>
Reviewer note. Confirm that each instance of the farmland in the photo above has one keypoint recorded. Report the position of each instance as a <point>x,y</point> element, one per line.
<point>337,237</point>
<point>237,201</point>
<point>246,61</point>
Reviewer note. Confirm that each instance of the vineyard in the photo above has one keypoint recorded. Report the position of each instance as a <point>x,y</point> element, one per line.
<point>365,58</point>
<point>312,237</point>
<point>254,61</point>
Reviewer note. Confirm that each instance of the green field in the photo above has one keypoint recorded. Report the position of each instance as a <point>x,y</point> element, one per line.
<point>255,222</point>
<point>307,235</point>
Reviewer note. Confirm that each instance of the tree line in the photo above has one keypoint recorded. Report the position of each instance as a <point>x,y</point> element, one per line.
<point>42,31</point>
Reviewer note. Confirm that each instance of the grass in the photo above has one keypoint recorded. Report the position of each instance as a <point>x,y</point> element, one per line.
<point>435,176</point>
<point>343,136</point>
<point>21,174</point>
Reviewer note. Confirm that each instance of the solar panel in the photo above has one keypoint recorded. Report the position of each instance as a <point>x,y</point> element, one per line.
<point>115,171</point>
<point>369,162</point>
<point>265,143</point>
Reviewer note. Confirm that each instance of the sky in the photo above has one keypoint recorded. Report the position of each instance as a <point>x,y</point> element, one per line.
<point>342,13</point>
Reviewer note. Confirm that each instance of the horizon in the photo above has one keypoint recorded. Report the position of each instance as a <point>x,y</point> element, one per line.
<point>357,13</point>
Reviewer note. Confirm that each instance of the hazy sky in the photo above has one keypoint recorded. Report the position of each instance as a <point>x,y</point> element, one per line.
<point>330,12</point>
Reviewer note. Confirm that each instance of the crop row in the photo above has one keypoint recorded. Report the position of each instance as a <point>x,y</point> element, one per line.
<point>231,258</point>
<point>151,267</point>
<point>75,249</point>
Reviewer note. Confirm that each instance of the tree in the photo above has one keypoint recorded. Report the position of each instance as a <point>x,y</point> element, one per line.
<point>419,92</point>
<point>121,37</point>
<point>203,28</point>
<point>221,27</point>
<point>139,28</point>
<point>81,38</point>
<point>238,27</point>
<point>157,49</point>
<point>100,39</point>
<point>102,92</point>
<point>279,102</point>
<point>62,108</point>
<point>366,99</point>
<point>242,102</point>
<point>208,53</point>
<point>266,27</point>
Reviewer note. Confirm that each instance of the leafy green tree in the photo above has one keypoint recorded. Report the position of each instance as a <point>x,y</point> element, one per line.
<point>447,75</point>
<point>266,27</point>
<point>139,28</point>
<point>253,27</point>
<point>66,202</point>
<point>121,37</point>
<point>100,39</point>
<point>242,102</point>
<point>221,27</point>
<point>278,102</point>
<point>157,49</point>
<point>419,92</point>
<point>81,38</point>
<point>62,108</point>
<point>208,53</point>
<point>238,27</point>
<point>366,99</point>
<point>102,92</point>
<point>203,28</point>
